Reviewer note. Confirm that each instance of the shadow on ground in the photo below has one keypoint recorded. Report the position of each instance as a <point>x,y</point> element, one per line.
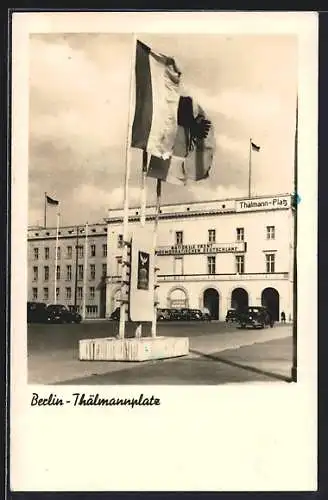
<point>265,362</point>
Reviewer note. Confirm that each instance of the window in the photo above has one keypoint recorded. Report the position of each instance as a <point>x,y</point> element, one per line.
<point>68,273</point>
<point>104,269</point>
<point>36,253</point>
<point>80,252</point>
<point>92,271</point>
<point>211,236</point>
<point>270,231</point>
<point>104,249</point>
<point>120,240</point>
<point>270,262</point>
<point>93,250</point>
<point>68,293</point>
<point>46,273</point>
<point>57,292</point>
<point>34,293</point>
<point>46,253</point>
<point>179,238</point>
<point>79,292</point>
<point>211,264</point>
<point>58,253</point>
<point>35,273</point>
<point>46,293</point>
<point>92,309</point>
<point>80,272</point>
<point>92,292</point>
<point>178,265</point>
<point>69,252</point>
<point>240,264</point>
<point>118,266</point>
<point>58,273</point>
<point>240,233</point>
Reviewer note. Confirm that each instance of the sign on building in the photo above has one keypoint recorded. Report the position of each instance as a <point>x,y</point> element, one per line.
<point>202,248</point>
<point>273,203</point>
<point>142,276</point>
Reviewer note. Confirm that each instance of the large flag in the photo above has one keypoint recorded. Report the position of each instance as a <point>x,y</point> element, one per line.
<point>51,201</point>
<point>193,149</point>
<point>157,99</point>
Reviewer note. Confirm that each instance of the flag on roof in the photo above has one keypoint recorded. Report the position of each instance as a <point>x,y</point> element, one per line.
<point>255,147</point>
<point>157,80</point>
<point>51,201</point>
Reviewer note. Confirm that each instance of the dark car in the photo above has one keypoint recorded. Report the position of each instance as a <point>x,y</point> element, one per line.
<point>58,313</point>
<point>176,314</point>
<point>255,317</point>
<point>163,314</point>
<point>195,315</point>
<point>116,314</point>
<point>37,312</point>
<point>231,316</point>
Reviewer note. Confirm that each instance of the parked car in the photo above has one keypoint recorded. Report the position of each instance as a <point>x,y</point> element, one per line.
<point>256,317</point>
<point>58,313</point>
<point>183,314</point>
<point>37,312</point>
<point>175,314</point>
<point>194,315</point>
<point>116,314</point>
<point>163,314</point>
<point>231,316</point>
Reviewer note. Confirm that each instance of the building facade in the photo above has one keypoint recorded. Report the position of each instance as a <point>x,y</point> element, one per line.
<point>217,255</point>
<point>69,287</point>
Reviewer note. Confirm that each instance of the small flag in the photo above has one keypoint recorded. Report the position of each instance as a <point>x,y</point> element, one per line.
<point>157,99</point>
<point>255,147</point>
<point>193,149</point>
<point>51,201</point>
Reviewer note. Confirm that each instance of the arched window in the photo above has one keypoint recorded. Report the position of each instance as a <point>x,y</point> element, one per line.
<point>178,298</point>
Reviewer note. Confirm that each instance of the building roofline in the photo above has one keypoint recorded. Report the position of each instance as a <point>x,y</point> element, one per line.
<point>137,207</point>
<point>216,200</point>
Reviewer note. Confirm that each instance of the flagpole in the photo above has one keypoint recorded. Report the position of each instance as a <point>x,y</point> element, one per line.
<point>45,210</point>
<point>85,272</point>
<point>157,212</point>
<point>250,168</point>
<point>143,188</point>
<point>56,258</point>
<point>143,204</point>
<point>76,266</point>
<point>123,307</point>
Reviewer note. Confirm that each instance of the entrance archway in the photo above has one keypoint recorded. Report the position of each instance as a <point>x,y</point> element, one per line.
<point>239,299</point>
<point>270,299</point>
<point>212,302</point>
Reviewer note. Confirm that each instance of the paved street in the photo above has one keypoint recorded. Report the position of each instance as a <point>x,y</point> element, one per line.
<point>219,354</point>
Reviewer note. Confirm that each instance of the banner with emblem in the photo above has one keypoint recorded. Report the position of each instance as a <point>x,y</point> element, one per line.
<point>141,301</point>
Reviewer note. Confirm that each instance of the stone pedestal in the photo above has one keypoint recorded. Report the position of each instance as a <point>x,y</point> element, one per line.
<point>135,349</point>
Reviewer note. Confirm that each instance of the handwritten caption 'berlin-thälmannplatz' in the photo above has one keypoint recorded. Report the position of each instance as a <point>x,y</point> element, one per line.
<point>83,399</point>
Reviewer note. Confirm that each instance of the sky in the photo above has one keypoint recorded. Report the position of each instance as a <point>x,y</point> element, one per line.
<point>79,108</point>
